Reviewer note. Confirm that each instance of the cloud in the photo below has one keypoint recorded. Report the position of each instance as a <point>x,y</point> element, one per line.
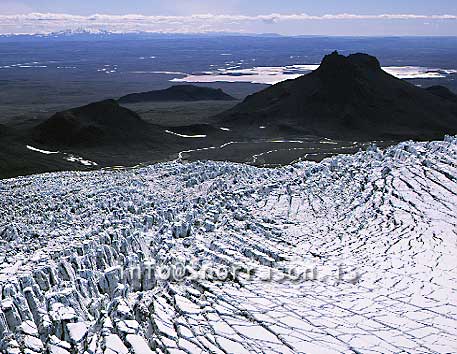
<point>51,22</point>
<point>13,7</point>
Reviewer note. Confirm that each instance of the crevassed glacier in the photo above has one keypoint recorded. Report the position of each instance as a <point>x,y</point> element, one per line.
<point>353,254</point>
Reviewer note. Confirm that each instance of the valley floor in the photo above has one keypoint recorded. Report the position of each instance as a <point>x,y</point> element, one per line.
<point>355,254</point>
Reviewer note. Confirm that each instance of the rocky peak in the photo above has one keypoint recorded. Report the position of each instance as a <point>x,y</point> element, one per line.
<point>337,64</point>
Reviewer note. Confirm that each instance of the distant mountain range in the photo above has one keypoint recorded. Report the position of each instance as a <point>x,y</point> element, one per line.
<point>178,93</point>
<point>97,34</point>
<point>348,96</point>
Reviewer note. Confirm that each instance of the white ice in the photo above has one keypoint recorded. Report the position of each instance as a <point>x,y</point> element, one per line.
<point>352,254</point>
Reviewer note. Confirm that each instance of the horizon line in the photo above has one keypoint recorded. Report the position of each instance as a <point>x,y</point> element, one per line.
<point>343,24</point>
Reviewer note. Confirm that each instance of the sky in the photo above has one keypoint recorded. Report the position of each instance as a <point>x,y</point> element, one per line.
<point>287,17</point>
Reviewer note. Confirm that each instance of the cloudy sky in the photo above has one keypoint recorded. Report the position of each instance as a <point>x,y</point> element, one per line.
<point>289,17</point>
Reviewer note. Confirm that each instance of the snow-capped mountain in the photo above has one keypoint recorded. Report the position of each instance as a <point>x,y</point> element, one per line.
<point>355,254</point>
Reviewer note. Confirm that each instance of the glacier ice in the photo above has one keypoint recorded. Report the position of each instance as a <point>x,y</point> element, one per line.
<point>353,254</point>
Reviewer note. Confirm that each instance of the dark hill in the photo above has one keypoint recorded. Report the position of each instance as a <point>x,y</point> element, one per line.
<point>346,97</point>
<point>3,130</point>
<point>442,92</point>
<point>93,124</point>
<point>178,93</point>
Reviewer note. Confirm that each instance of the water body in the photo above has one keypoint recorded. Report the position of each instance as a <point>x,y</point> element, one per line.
<point>274,74</point>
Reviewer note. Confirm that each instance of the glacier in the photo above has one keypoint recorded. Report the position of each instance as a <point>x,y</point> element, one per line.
<point>355,254</point>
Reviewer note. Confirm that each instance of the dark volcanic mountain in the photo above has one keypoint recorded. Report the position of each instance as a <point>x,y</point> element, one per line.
<point>178,93</point>
<point>347,97</point>
<point>93,124</point>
